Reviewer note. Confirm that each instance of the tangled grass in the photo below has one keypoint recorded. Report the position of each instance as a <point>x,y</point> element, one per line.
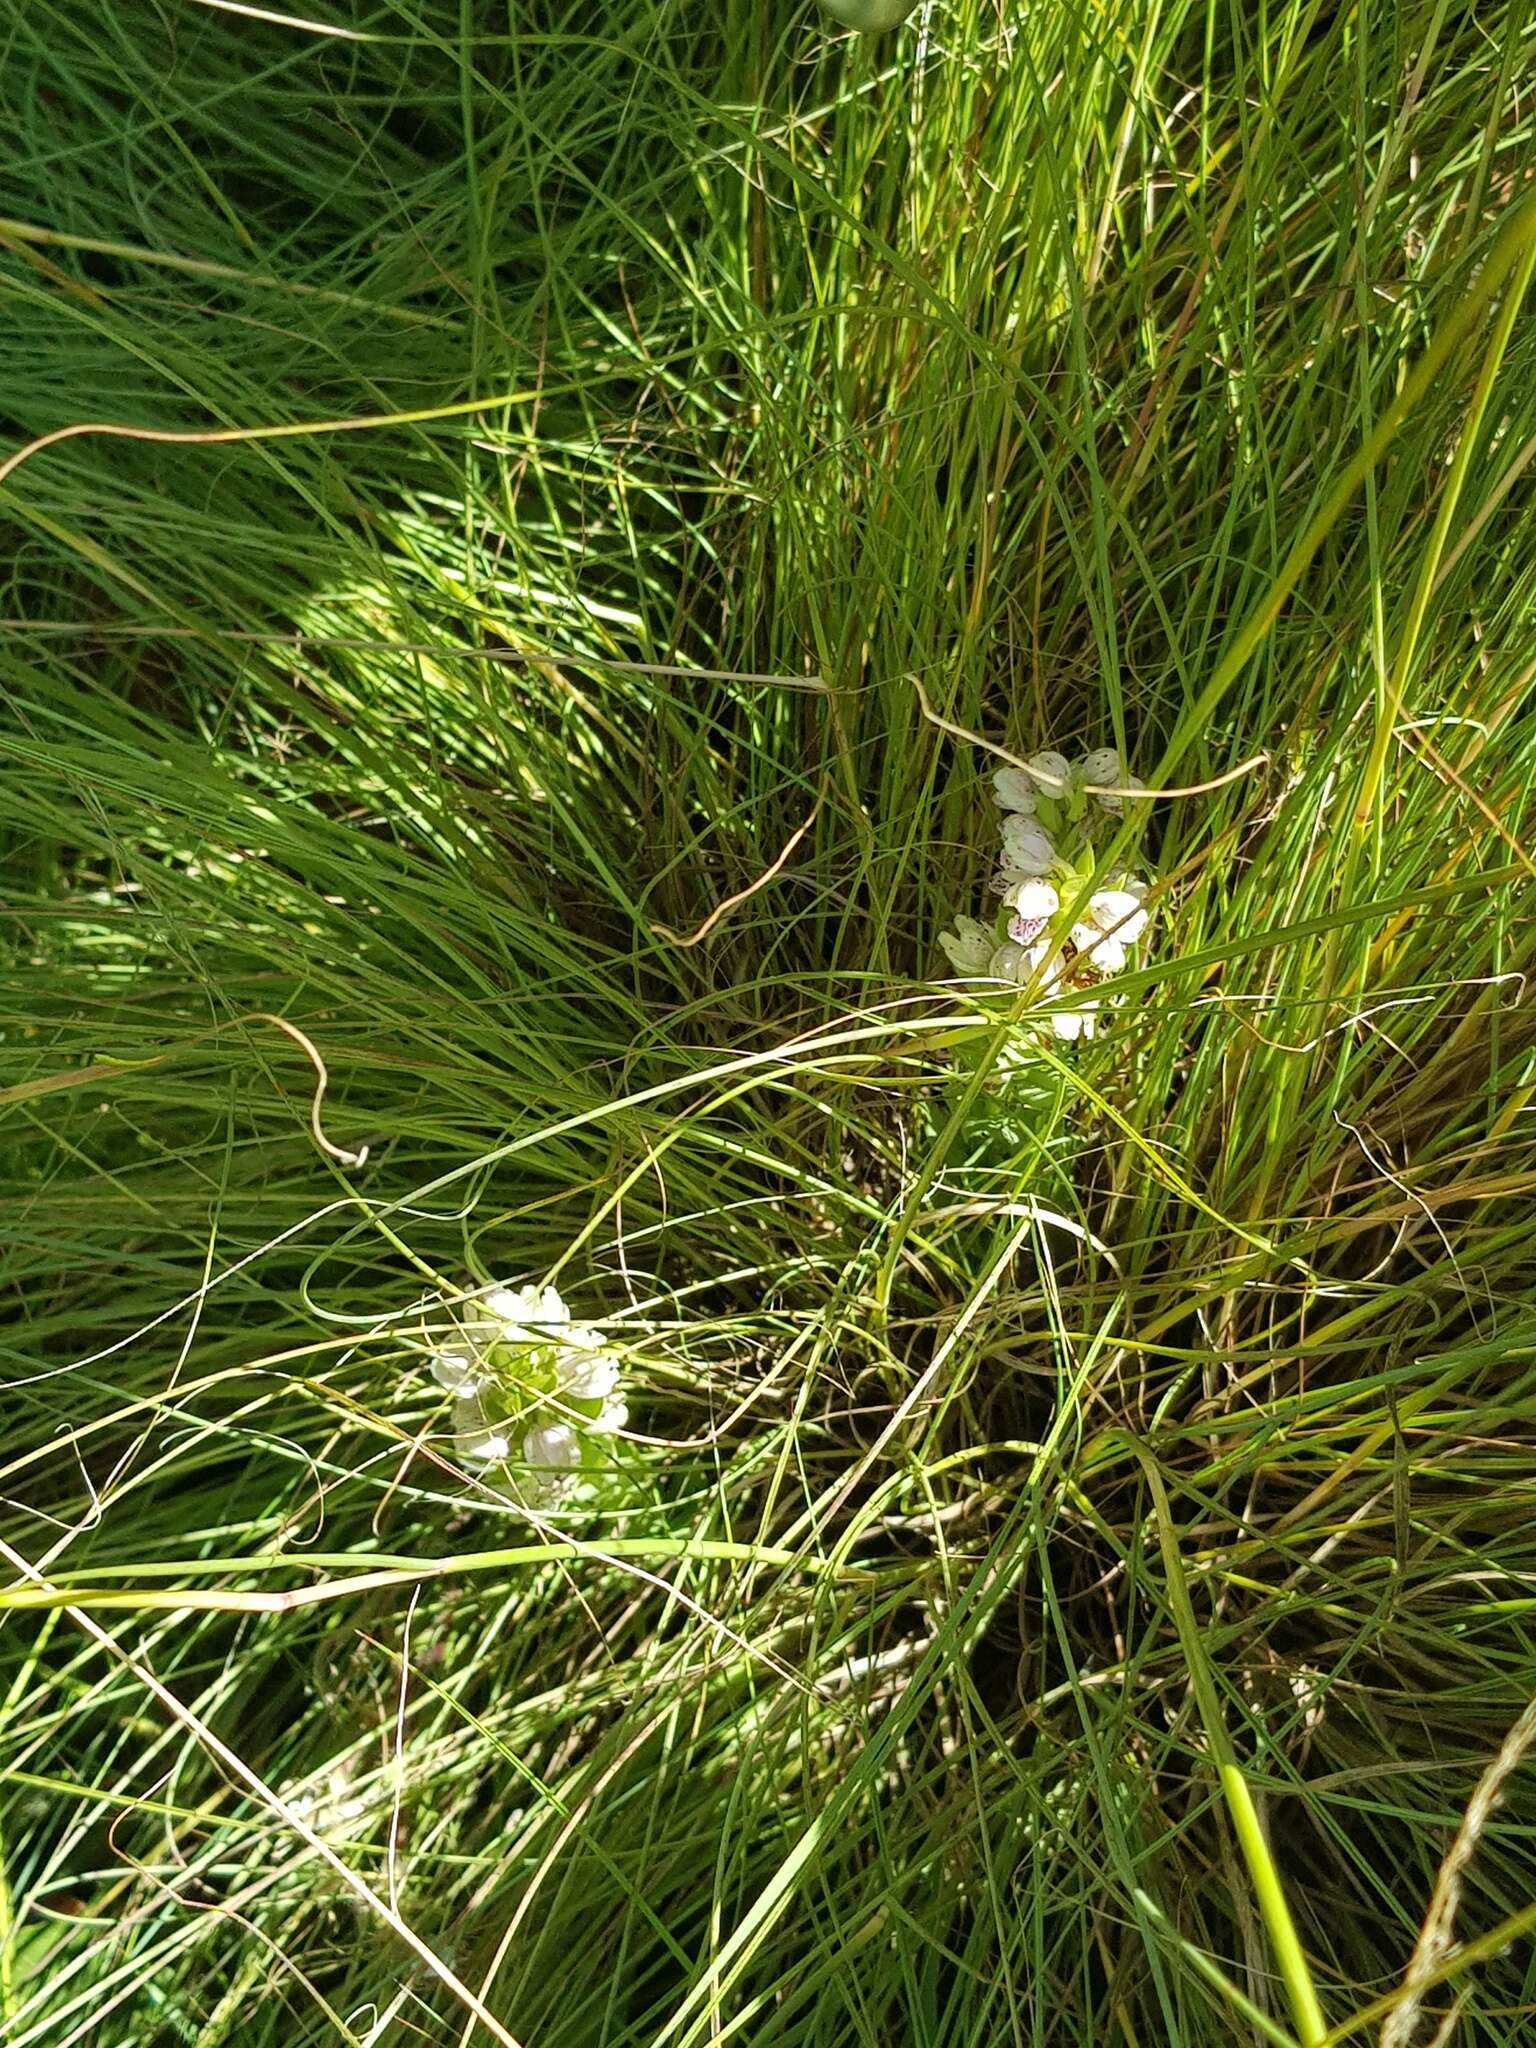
<point>1069,1568</point>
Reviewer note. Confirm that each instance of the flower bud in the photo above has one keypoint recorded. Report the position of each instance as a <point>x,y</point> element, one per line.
<point>1116,804</point>
<point>1015,792</point>
<point>1010,962</point>
<point>969,946</point>
<point>1027,846</point>
<point>1052,772</point>
<point>1102,768</point>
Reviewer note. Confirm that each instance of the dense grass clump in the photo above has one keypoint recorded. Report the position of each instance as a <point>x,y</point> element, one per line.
<point>565,501</point>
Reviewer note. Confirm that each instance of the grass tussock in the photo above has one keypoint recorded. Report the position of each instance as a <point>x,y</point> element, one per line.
<point>1067,1573</point>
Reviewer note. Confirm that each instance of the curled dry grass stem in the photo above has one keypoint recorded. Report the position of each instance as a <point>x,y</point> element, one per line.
<point>1138,790</point>
<point>108,1070</point>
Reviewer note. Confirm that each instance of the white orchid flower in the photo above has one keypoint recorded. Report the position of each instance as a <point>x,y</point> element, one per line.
<point>589,1376</point>
<point>552,1448</point>
<point>455,1372</point>
<point>1022,961</point>
<point>1011,962</point>
<point>1119,913</point>
<point>614,1416</point>
<point>1105,955</point>
<point>525,1379</point>
<point>1034,905</point>
<point>1035,900</point>
<point>1049,850</point>
<point>527,1310</point>
<point>478,1441</point>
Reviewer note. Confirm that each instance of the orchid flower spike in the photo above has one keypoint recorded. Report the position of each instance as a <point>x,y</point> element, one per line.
<point>532,1389</point>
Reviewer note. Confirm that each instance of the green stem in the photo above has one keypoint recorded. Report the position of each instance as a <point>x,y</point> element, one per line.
<point>1514,243</point>
<point>1285,1943</point>
<point>1450,497</point>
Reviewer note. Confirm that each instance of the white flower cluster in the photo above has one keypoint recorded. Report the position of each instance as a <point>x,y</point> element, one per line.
<point>530,1388</point>
<point>1048,862</point>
